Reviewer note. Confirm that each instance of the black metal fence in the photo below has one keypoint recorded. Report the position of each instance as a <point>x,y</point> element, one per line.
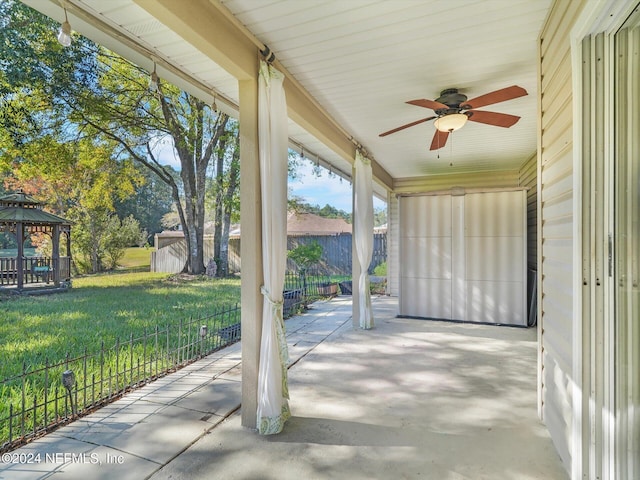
<point>302,288</point>
<point>38,400</point>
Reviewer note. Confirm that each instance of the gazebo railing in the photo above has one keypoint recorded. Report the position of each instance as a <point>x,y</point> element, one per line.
<point>8,271</point>
<point>35,270</point>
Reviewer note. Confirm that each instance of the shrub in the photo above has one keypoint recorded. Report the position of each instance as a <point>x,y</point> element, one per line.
<point>306,255</point>
<point>380,270</point>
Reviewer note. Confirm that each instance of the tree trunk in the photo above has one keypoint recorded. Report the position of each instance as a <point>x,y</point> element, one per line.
<point>219,210</point>
<point>95,247</point>
<point>193,229</point>
<point>223,264</point>
<point>227,202</point>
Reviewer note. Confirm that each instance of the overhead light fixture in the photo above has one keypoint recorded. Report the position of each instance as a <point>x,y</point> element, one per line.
<point>451,122</point>
<point>153,81</point>
<point>64,35</point>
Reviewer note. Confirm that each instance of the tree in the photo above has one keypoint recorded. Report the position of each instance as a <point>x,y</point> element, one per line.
<point>298,205</point>
<point>148,204</point>
<point>171,219</point>
<point>305,256</point>
<point>119,235</point>
<point>98,94</point>
<point>129,114</point>
<point>81,182</point>
<point>379,216</point>
<point>34,70</point>
<point>225,197</point>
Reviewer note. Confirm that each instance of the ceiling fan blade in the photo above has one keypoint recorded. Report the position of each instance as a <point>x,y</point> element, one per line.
<point>417,122</point>
<point>498,96</point>
<point>439,140</point>
<point>432,104</point>
<point>493,118</point>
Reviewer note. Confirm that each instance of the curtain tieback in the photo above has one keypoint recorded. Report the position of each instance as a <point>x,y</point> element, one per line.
<point>267,295</point>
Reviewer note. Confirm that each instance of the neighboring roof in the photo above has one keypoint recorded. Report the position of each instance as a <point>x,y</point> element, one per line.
<point>171,233</point>
<point>297,224</point>
<point>208,230</point>
<point>310,224</point>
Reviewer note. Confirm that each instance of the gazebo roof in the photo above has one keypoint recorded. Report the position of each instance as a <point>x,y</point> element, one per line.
<point>30,215</point>
<point>18,198</point>
<point>20,207</point>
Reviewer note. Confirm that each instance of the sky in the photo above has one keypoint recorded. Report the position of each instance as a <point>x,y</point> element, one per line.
<point>324,190</point>
<point>314,190</point>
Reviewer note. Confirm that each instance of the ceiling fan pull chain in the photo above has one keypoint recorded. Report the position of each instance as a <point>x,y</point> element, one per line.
<point>451,150</point>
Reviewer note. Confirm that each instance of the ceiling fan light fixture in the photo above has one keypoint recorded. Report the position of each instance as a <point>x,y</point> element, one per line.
<point>451,122</point>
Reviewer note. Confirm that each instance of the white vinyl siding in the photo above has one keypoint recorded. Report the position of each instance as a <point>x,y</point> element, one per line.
<point>500,179</point>
<point>556,225</point>
<point>589,360</point>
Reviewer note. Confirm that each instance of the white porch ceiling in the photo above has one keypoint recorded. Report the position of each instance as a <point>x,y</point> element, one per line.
<point>362,60</point>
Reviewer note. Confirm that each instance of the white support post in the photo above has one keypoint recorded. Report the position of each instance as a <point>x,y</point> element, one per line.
<point>250,248</point>
<point>355,264</point>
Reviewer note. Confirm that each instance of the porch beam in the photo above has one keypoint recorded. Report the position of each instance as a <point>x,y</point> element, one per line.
<point>201,23</point>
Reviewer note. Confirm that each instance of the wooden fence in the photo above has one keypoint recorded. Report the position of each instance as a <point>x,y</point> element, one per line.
<point>172,258</point>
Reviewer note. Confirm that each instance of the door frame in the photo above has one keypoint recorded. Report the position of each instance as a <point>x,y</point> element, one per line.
<point>598,454</point>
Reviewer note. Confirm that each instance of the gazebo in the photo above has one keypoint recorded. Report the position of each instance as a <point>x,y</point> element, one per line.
<point>22,215</point>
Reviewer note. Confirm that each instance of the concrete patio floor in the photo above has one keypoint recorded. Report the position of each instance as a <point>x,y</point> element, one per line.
<point>408,399</point>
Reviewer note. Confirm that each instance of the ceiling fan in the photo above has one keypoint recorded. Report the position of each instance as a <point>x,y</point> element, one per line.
<point>453,110</point>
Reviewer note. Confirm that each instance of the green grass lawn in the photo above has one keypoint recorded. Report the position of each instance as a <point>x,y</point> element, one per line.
<point>136,259</point>
<point>106,309</point>
<point>101,308</point>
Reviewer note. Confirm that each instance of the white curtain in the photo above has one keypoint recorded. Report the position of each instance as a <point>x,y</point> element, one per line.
<point>363,234</point>
<point>273,394</point>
